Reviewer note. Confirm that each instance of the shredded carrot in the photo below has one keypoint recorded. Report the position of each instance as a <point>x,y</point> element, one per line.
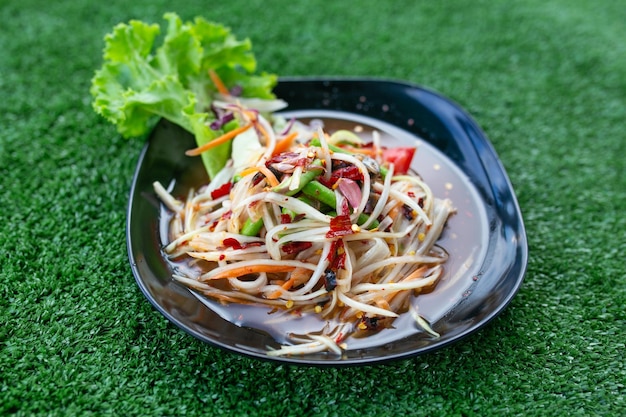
<point>418,273</point>
<point>252,269</point>
<point>252,115</point>
<point>298,276</point>
<point>219,84</point>
<point>289,283</point>
<point>269,175</point>
<point>364,151</point>
<point>248,171</point>
<point>394,212</point>
<point>285,143</point>
<point>286,286</point>
<point>218,141</point>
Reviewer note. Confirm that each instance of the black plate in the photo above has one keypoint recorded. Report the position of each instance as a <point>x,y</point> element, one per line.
<point>486,238</point>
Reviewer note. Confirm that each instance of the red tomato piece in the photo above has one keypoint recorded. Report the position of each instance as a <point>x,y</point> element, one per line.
<point>400,157</point>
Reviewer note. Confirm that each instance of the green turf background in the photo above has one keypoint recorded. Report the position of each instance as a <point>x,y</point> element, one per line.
<point>546,80</point>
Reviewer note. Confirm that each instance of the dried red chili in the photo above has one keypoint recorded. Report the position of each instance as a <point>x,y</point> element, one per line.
<point>221,191</point>
<point>340,226</point>
<point>231,242</point>
<point>295,247</point>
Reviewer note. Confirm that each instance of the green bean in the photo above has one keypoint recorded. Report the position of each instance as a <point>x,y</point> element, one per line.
<point>324,194</point>
<point>363,218</point>
<point>320,192</point>
<point>316,142</point>
<point>292,214</point>
<point>307,200</point>
<point>308,176</point>
<point>251,228</point>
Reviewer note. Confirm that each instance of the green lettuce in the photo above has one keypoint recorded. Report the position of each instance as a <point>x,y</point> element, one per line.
<point>140,82</point>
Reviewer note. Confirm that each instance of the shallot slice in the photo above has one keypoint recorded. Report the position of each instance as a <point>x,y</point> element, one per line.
<point>350,190</point>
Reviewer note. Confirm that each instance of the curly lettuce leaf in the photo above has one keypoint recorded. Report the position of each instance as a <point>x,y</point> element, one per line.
<point>140,82</point>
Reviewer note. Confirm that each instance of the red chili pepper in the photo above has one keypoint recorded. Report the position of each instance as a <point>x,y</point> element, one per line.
<point>295,247</point>
<point>221,191</point>
<point>332,253</point>
<point>282,157</point>
<point>232,243</point>
<point>213,226</point>
<point>339,262</point>
<point>336,256</point>
<point>350,172</point>
<point>340,226</point>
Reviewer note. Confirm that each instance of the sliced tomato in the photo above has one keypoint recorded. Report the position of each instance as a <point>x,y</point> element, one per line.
<point>400,157</point>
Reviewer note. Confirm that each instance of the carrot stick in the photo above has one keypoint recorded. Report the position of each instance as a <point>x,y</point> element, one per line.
<point>286,286</point>
<point>285,143</point>
<point>394,211</point>
<point>219,84</point>
<point>218,141</point>
<point>252,269</point>
<point>269,175</point>
<point>298,276</point>
<point>365,151</point>
<point>248,171</point>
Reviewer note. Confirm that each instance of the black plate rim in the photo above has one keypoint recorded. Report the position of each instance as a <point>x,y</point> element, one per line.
<point>480,140</point>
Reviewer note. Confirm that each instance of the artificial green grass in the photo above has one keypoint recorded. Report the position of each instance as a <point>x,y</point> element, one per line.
<point>545,80</point>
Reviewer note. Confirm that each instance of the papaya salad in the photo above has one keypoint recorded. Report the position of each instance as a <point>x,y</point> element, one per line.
<point>298,219</point>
